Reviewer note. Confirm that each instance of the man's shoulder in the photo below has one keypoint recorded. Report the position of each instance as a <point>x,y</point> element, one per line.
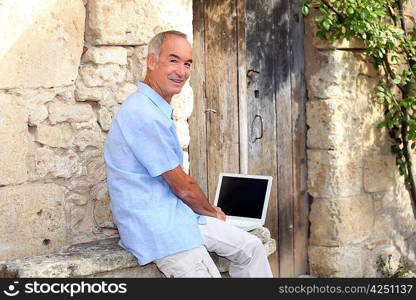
<point>138,109</point>
<point>136,105</point>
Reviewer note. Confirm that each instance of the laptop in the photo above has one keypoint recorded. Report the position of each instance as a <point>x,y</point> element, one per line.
<point>244,199</point>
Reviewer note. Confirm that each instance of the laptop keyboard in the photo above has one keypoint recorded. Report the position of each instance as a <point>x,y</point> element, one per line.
<point>245,225</point>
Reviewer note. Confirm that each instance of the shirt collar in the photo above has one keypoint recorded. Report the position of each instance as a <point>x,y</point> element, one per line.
<point>161,103</point>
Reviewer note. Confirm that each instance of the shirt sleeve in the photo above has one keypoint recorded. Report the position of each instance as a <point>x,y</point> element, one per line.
<point>154,144</point>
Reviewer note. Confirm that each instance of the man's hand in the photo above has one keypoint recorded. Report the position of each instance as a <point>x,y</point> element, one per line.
<point>220,214</point>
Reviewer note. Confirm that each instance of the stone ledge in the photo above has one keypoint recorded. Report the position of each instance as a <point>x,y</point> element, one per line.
<point>101,258</point>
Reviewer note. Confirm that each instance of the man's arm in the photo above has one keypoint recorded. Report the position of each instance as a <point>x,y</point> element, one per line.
<point>189,191</point>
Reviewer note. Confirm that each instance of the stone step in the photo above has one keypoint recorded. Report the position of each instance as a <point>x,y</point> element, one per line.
<point>100,258</point>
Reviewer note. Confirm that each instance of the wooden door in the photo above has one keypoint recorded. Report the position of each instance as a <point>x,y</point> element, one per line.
<point>249,114</point>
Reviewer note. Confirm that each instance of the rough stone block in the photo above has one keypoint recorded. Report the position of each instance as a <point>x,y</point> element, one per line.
<point>182,103</point>
<point>134,22</point>
<point>336,124</point>
<point>104,118</point>
<point>385,225</point>
<point>42,42</point>
<point>368,115</point>
<point>330,124</point>
<point>33,220</point>
<point>92,138</point>
<point>13,140</point>
<point>122,91</point>
<point>336,261</point>
<point>65,164</point>
<point>366,67</point>
<point>84,93</point>
<point>379,173</point>
<point>96,168</point>
<point>331,74</point>
<point>334,173</point>
<point>77,199</point>
<point>105,55</point>
<point>59,135</point>
<point>182,129</point>
<point>37,115</point>
<point>77,214</point>
<point>35,101</point>
<point>102,212</point>
<point>102,75</point>
<point>341,221</point>
<point>186,162</point>
<point>136,69</point>
<point>61,112</point>
<point>396,205</point>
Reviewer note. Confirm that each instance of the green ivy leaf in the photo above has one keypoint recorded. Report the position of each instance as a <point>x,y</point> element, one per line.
<point>397,80</point>
<point>382,124</point>
<point>395,59</point>
<point>326,25</point>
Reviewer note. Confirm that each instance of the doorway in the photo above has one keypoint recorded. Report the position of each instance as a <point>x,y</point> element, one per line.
<point>249,111</point>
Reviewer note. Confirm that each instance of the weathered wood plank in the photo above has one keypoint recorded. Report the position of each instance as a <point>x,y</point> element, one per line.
<point>198,146</point>
<point>261,102</point>
<point>300,201</point>
<point>284,138</point>
<point>221,90</point>
<point>242,84</point>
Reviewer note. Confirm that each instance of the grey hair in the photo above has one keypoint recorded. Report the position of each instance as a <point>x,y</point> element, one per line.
<point>157,40</point>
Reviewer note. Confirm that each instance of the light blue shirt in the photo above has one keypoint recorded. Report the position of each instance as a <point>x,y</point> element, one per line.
<point>141,145</point>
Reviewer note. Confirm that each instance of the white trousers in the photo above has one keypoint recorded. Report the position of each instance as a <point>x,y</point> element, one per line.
<point>245,251</point>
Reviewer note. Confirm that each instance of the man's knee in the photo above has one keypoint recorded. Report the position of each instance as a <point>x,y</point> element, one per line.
<point>191,263</point>
<point>255,243</point>
<point>251,248</point>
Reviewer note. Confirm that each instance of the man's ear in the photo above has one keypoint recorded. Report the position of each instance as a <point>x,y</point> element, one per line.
<point>151,61</point>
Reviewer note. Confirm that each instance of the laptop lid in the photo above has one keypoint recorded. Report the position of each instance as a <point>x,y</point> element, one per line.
<point>243,196</point>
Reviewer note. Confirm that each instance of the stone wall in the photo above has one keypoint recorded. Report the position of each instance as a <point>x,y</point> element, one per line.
<point>59,94</point>
<point>68,65</point>
<point>360,208</point>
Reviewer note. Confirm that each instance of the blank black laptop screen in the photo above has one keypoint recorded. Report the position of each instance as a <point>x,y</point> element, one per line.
<point>242,197</point>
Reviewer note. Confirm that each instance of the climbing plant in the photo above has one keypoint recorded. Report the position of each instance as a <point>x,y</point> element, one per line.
<point>391,44</point>
<point>384,267</point>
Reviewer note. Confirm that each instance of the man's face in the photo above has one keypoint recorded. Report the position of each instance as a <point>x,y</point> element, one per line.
<point>170,73</point>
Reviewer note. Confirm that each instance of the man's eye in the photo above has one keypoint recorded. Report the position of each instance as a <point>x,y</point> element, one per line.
<point>188,65</point>
<point>173,61</point>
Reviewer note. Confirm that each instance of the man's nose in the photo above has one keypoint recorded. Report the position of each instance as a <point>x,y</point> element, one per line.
<point>181,71</point>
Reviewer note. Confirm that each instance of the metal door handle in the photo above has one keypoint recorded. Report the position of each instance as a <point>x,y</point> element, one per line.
<point>260,136</point>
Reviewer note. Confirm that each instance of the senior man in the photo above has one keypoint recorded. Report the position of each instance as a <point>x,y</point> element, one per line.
<point>161,213</point>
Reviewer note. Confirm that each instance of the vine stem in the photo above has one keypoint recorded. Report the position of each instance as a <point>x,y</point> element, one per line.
<point>340,16</point>
<point>411,185</point>
<point>405,93</point>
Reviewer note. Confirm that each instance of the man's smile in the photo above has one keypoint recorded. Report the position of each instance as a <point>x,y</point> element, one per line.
<point>176,81</point>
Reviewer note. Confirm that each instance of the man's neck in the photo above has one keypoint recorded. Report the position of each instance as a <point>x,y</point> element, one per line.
<point>147,80</point>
